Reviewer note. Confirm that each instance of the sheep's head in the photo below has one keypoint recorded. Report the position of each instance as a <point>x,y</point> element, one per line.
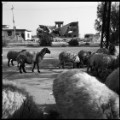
<point>46,50</point>
<point>77,59</point>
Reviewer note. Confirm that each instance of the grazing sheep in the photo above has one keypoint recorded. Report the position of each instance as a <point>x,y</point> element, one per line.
<point>12,55</point>
<point>110,51</point>
<point>84,56</point>
<point>100,62</point>
<point>79,95</point>
<point>103,50</point>
<point>65,57</point>
<point>31,58</point>
<point>112,81</point>
<point>17,103</point>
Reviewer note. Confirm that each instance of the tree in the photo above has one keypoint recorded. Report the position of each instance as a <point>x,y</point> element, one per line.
<point>114,20</point>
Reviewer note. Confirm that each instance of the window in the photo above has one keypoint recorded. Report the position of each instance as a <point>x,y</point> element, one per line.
<point>28,35</point>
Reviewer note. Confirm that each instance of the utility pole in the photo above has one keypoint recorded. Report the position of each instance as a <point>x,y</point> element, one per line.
<point>14,27</point>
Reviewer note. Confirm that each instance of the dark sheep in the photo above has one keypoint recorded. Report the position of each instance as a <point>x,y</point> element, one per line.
<point>103,50</point>
<point>67,57</point>
<point>111,50</point>
<point>100,62</point>
<point>112,81</point>
<point>79,95</point>
<point>31,58</point>
<point>12,55</point>
<point>84,56</point>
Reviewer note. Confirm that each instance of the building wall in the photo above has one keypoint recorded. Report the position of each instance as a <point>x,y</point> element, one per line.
<point>28,35</point>
<point>73,26</point>
<point>25,35</point>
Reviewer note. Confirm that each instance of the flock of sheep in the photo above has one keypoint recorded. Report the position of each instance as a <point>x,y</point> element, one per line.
<point>93,94</point>
<point>80,95</point>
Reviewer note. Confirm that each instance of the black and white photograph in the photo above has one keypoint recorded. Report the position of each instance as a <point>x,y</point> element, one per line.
<point>60,59</point>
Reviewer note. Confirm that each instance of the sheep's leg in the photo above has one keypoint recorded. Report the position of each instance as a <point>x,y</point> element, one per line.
<point>81,63</point>
<point>20,68</point>
<point>12,63</point>
<point>8,62</point>
<point>23,67</point>
<point>73,65</point>
<point>38,67</point>
<point>59,65</point>
<point>17,64</point>
<point>87,69</point>
<point>33,66</point>
<point>63,65</point>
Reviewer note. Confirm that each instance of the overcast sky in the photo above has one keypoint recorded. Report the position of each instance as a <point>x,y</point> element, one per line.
<point>29,15</point>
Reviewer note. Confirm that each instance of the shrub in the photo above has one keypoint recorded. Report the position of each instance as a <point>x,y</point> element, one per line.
<point>45,40</point>
<point>73,42</point>
<point>87,43</point>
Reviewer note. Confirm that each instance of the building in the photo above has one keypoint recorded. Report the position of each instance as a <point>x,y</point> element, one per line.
<point>9,33</point>
<point>70,30</point>
<point>92,37</point>
<point>60,30</point>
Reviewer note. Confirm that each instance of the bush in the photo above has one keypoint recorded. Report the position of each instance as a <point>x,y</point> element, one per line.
<point>45,40</point>
<point>73,42</point>
<point>87,43</point>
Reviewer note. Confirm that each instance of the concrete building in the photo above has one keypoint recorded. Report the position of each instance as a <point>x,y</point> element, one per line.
<point>9,33</point>
<point>70,30</point>
<point>60,30</point>
<point>92,37</point>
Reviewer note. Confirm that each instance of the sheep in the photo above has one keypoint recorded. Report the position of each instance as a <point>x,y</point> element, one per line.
<point>17,103</point>
<point>84,56</point>
<point>102,62</point>
<point>112,81</point>
<point>79,95</point>
<point>111,50</point>
<point>103,50</point>
<point>65,57</point>
<point>35,59</point>
<point>12,55</point>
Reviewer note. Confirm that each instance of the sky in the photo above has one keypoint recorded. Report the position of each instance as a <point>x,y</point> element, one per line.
<point>29,15</point>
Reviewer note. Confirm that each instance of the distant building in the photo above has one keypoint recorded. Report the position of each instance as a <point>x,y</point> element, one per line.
<point>60,30</point>
<point>88,37</point>
<point>92,37</point>
<point>20,33</point>
<point>70,30</point>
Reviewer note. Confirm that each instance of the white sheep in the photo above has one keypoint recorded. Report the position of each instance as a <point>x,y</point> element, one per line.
<point>67,57</point>
<point>79,95</point>
<point>16,103</point>
<point>112,81</point>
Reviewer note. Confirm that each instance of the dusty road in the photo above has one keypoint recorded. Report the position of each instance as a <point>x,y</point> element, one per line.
<point>39,85</point>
